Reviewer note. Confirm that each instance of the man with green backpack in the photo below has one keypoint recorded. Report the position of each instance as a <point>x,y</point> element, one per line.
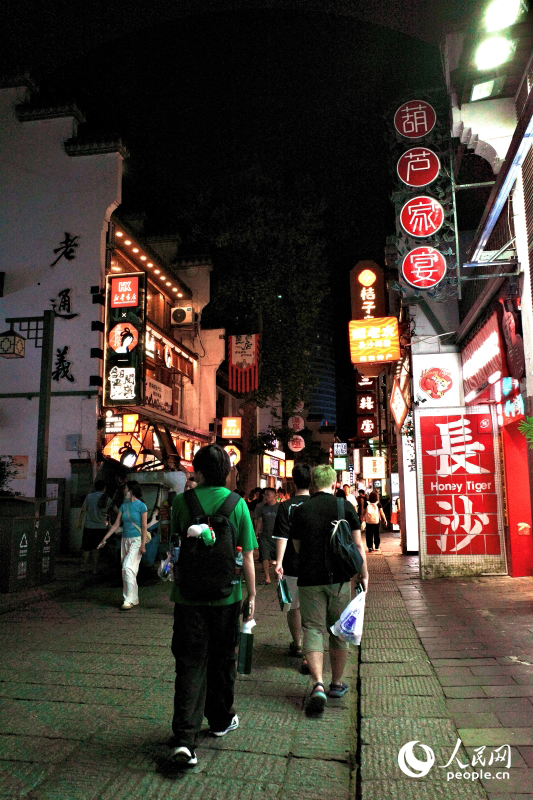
<point>211,522</point>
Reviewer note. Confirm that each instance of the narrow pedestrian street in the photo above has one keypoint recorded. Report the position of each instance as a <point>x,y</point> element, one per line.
<point>86,697</point>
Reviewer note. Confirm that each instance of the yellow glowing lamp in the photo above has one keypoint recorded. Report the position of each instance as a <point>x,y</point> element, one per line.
<point>367,277</point>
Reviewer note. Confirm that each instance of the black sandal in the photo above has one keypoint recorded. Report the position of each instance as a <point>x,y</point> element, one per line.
<point>317,701</point>
<point>295,650</point>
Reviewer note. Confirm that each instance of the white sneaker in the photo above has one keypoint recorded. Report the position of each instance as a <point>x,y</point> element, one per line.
<point>234,724</point>
<point>127,606</point>
<point>183,756</point>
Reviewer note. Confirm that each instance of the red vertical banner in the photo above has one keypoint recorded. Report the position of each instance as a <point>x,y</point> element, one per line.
<point>243,361</point>
<point>459,487</point>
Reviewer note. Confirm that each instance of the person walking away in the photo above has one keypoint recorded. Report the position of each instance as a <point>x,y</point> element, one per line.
<point>287,558</point>
<point>133,516</point>
<point>323,595</point>
<point>266,519</point>
<point>373,514</point>
<point>94,515</point>
<point>361,502</point>
<point>206,631</point>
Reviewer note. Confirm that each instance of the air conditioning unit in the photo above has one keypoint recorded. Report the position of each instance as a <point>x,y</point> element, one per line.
<point>182,315</point>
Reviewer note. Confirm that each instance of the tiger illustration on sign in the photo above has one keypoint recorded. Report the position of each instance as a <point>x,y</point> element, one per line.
<point>436,382</point>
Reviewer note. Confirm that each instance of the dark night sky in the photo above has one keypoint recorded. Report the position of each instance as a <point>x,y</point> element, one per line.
<point>293,89</point>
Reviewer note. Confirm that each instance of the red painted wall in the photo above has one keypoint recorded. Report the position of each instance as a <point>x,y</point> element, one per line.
<point>518,501</point>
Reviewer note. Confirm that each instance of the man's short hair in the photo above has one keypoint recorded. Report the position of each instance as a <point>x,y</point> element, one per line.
<point>362,491</point>
<point>269,489</point>
<point>99,485</point>
<point>346,486</point>
<point>214,464</point>
<point>301,476</point>
<point>323,476</point>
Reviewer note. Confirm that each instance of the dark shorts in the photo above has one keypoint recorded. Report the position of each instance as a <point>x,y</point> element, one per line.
<point>267,548</point>
<point>92,538</point>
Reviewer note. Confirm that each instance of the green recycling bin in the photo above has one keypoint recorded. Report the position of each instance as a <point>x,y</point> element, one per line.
<point>18,517</point>
<point>47,535</point>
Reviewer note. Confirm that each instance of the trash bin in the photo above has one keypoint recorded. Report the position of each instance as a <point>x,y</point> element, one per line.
<point>17,542</point>
<point>47,536</point>
<point>28,543</point>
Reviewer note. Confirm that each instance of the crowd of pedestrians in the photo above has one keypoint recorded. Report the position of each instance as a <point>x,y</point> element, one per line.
<point>290,536</point>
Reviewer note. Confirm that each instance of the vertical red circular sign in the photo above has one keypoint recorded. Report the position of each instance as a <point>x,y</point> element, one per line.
<point>422,216</point>
<point>418,166</point>
<point>424,267</point>
<point>415,119</point>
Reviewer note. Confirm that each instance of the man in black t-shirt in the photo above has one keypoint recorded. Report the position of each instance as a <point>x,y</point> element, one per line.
<point>322,598</point>
<point>287,558</point>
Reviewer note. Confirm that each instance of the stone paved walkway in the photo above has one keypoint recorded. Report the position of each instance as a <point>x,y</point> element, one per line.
<point>86,696</point>
<point>441,660</point>
<point>86,699</point>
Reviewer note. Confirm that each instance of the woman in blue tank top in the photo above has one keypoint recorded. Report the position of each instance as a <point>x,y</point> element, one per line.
<point>133,516</point>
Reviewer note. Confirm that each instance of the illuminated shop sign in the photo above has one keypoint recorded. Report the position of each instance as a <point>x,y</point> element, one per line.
<point>296,443</point>
<point>124,340</point>
<point>125,291</point>
<point>366,403</point>
<point>158,396</point>
<point>482,358</point>
<point>367,427</point>
<point>418,167</point>
<point>367,290</point>
<point>398,406</point>
<point>120,443</point>
<point>458,485</point>
<point>415,119</point>
<point>231,427</point>
<point>234,454</point>
<point>374,468</point>
<point>289,466</point>
<point>510,403</point>
<point>422,216</point>
<point>340,464</point>
<point>374,340</point>
<point>340,448</point>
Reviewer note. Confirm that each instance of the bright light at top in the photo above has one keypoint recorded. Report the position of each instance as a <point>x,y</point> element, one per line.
<point>367,277</point>
<point>482,90</point>
<point>500,14</point>
<point>119,233</point>
<point>493,52</point>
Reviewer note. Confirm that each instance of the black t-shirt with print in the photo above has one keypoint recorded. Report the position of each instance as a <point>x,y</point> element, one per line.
<point>282,531</point>
<point>311,525</point>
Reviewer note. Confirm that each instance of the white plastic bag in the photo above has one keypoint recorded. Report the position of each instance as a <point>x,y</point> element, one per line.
<point>166,570</point>
<point>349,627</point>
